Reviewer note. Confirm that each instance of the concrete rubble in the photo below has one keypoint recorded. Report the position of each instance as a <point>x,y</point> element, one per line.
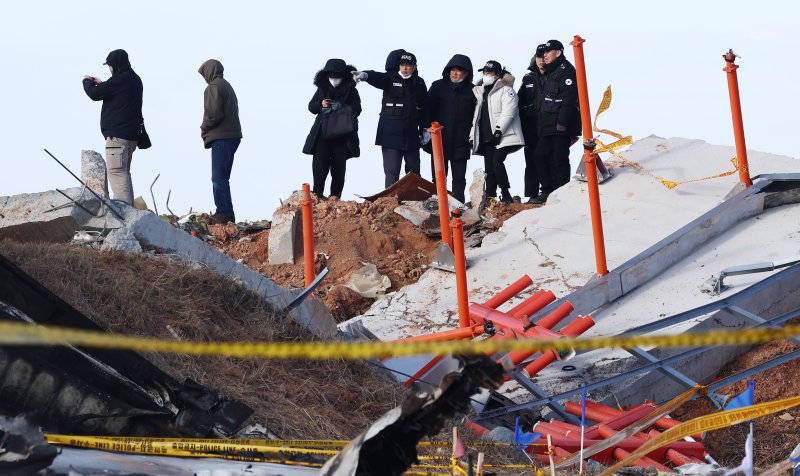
<point>425,213</point>
<point>52,217</point>
<point>285,237</point>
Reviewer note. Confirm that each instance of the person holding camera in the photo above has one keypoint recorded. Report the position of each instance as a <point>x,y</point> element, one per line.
<point>222,133</point>
<point>334,136</point>
<point>496,129</point>
<point>121,120</point>
<point>402,127</point>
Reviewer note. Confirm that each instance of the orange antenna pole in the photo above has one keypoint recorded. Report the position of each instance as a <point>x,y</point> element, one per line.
<point>461,269</point>
<point>441,182</point>
<point>736,114</point>
<point>590,158</point>
<point>308,235</point>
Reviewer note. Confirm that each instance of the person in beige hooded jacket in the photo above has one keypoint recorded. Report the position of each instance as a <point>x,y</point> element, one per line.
<point>222,133</point>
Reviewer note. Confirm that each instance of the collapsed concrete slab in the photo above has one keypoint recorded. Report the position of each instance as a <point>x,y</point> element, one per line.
<point>55,216</point>
<point>50,216</point>
<point>152,231</point>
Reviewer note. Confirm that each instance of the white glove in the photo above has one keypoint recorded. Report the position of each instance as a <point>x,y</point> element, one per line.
<point>359,76</point>
<point>426,137</point>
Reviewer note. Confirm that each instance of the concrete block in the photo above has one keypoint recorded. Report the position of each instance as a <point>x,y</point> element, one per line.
<point>122,239</point>
<point>477,191</point>
<point>93,172</point>
<point>285,239</point>
<point>50,216</point>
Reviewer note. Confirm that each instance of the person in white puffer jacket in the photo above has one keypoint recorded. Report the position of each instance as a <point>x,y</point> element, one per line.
<point>496,128</point>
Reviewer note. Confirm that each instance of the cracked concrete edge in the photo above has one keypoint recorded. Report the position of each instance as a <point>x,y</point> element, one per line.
<point>151,230</point>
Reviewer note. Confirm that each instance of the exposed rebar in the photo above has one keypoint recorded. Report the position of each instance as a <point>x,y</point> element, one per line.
<point>86,186</point>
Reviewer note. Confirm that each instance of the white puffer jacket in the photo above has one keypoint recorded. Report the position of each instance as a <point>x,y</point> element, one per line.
<point>503,113</point>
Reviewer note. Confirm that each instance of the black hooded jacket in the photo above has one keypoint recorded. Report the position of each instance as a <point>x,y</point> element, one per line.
<point>530,94</point>
<point>346,94</point>
<point>121,114</point>
<point>452,104</point>
<point>559,102</point>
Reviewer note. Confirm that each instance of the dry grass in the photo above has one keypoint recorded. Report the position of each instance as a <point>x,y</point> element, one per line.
<point>142,295</point>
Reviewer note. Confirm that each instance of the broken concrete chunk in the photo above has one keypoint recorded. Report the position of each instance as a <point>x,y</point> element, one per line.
<point>285,237</point>
<point>122,239</point>
<point>477,191</point>
<point>416,214</point>
<point>93,172</point>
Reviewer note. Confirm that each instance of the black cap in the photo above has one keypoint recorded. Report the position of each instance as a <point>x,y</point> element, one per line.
<point>541,49</point>
<point>492,66</point>
<point>552,45</point>
<point>407,57</point>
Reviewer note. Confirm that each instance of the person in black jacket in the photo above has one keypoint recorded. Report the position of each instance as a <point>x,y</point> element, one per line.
<point>451,103</point>
<point>559,120</point>
<point>402,127</point>
<point>121,119</point>
<point>530,93</point>
<point>336,89</point>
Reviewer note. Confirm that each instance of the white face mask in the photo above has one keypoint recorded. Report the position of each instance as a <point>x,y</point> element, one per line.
<point>488,79</point>
<point>404,76</point>
<point>335,82</point>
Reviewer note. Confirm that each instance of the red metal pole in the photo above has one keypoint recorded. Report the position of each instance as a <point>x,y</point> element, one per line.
<point>467,332</point>
<point>308,234</point>
<point>441,182</point>
<point>512,290</point>
<point>736,114</point>
<point>547,322</point>
<point>590,158</point>
<point>533,304</point>
<point>573,329</point>
<point>461,269</point>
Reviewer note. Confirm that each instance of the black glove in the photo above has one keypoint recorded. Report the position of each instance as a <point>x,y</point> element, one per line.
<point>560,128</point>
<point>497,136</point>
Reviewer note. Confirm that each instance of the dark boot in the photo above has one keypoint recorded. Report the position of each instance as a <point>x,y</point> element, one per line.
<point>505,196</point>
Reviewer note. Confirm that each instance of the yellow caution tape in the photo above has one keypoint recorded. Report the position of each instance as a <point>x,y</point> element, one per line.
<point>138,445</point>
<point>624,141</point>
<point>13,333</point>
<point>715,421</point>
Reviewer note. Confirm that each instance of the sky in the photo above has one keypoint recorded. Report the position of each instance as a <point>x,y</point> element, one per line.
<point>663,61</point>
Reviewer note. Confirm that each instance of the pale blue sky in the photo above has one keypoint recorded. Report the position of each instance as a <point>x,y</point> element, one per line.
<point>663,60</point>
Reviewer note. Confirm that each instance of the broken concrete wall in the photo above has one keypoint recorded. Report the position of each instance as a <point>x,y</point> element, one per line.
<point>47,216</point>
<point>50,216</point>
<point>151,230</point>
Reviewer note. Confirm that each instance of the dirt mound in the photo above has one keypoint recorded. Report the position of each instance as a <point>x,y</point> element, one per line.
<point>159,297</point>
<point>775,435</point>
<point>348,234</point>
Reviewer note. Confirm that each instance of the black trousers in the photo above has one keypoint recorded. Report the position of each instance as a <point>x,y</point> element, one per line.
<point>393,159</point>
<point>531,170</point>
<point>552,162</point>
<point>494,161</point>
<point>455,159</point>
<point>330,156</point>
